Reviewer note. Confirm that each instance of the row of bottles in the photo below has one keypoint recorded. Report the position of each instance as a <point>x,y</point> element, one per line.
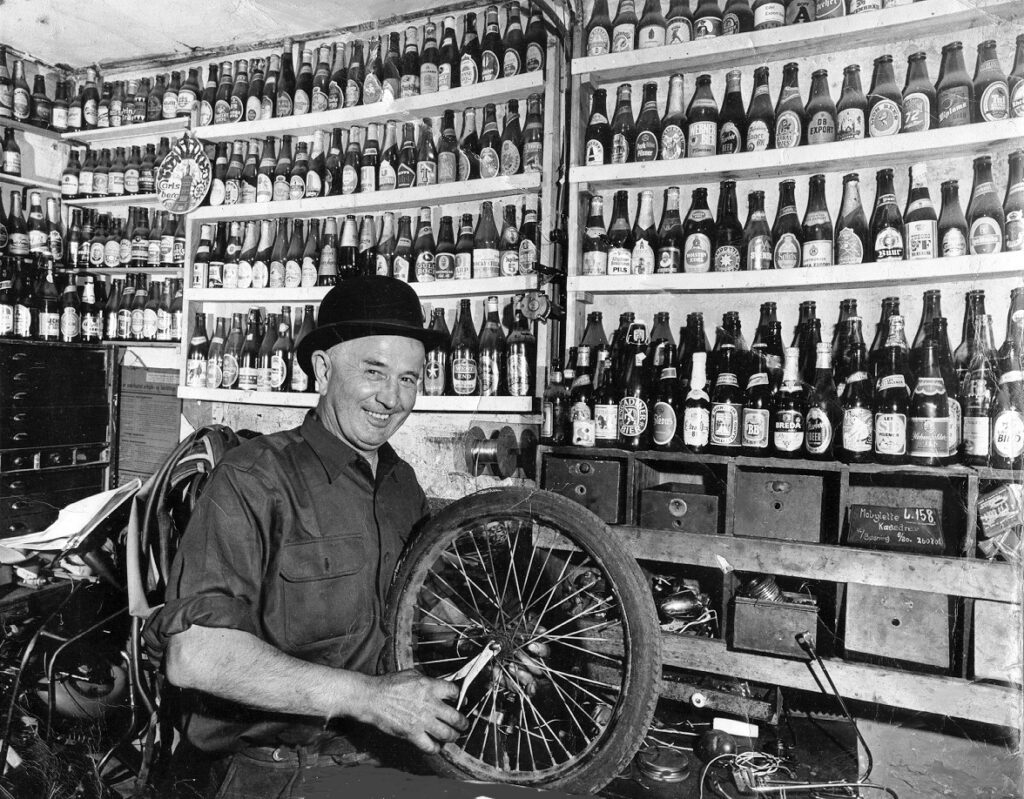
<point>891,403</point>
<point>297,81</point>
<point>708,19</point>
<point>705,128</point>
<point>143,239</point>
<point>701,242</point>
<point>374,158</point>
<point>112,173</point>
<point>134,309</point>
<point>293,254</point>
<point>471,362</point>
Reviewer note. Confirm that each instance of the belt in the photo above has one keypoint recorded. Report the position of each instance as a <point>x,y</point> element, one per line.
<point>335,751</point>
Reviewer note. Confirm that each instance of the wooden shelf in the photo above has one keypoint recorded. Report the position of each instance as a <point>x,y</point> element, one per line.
<point>440,288</point>
<point>117,201</point>
<point>172,345</point>
<point>438,194</point>
<point>423,404</point>
<point>967,268</point>
<point>943,696</point>
<point>424,105</point>
<point>143,130</point>
<point>156,271</point>
<point>30,183</point>
<point>903,23</point>
<point>890,151</point>
<point>14,124</point>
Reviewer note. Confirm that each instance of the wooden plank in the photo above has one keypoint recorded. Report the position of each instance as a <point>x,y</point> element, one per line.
<point>49,186</point>
<point>779,44</point>
<point>944,696</point>
<point>117,201</point>
<point>144,130</point>
<point>955,576</point>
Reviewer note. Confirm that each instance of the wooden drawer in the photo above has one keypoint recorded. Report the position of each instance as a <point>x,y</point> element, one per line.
<point>678,506</point>
<point>34,482</point>
<point>897,624</point>
<point>15,507</point>
<point>597,484</point>
<point>997,627</point>
<point>47,426</point>
<point>779,505</point>
<point>45,376</point>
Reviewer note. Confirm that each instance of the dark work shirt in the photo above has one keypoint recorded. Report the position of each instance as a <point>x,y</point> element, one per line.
<point>294,540</point>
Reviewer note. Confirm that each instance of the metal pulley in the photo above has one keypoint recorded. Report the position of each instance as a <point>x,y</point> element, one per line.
<point>537,306</point>
<point>500,450</point>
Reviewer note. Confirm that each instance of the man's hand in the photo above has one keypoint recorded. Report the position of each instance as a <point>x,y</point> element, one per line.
<point>408,705</point>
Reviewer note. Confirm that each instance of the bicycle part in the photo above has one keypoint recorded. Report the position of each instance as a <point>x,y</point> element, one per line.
<point>566,700</point>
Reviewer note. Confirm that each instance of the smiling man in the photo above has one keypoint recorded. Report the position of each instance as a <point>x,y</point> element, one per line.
<point>272,626</point>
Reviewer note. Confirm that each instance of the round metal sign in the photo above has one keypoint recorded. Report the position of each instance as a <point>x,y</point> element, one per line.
<point>184,176</point>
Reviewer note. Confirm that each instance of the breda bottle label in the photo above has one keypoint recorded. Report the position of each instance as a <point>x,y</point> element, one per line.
<point>851,249</point>
<point>696,427</point>
<point>758,136</point>
<point>1008,435</point>
<point>755,428</point>
<point>954,106</point>
<point>884,119</point>
<point>673,143</point>
<point>702,139</point>
<point>788,435</point>
<point>890,433</point>
<point>818,437</point>
<point>915,112</point>
<point>664,428</point>
<point>994,103</point>
<point>787,129</point>
<point>986,236</point>
<point>697,253</point>
<point>850,124</point>
<point>632,417</point>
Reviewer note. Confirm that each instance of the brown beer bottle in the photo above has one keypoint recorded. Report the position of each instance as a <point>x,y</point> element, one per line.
<point>820,111</point>
<point>991,91</point>
<point>984,212</point>
<point>919,98</point>
<point>789,110</point>
<point>759,132</point>
<point>954,89</point>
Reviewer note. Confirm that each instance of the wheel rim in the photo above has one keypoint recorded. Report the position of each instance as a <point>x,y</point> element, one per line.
<point>537,622</point>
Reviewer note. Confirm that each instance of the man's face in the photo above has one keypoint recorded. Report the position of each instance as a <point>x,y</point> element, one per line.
<point>367,388</point>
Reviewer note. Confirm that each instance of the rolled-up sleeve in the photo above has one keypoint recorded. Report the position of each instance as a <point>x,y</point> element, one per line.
<point>217,573</point>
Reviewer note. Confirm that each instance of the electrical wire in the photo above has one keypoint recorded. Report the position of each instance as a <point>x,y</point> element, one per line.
<point>704,772</point>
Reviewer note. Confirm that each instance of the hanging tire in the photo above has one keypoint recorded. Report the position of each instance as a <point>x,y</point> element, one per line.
<point>534,590</point>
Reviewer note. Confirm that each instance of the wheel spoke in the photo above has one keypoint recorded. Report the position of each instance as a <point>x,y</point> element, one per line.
<point>580,688</point>
<point>570,676</point>
<point>536,585</point>
<point>453,627</point>
<point>565,700</point>
<point>477,714</point>
<point>550,594</point>
<point>561,624</point>
<point>591,651</point>
<point>479,621</point>
<point>469,580</point>
<point>487,574</point>
<point>543,721</point>
<point>523,698</point>
<point>441,660</point>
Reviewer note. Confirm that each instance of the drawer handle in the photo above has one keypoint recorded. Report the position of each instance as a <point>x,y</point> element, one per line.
<point>677,507</point>
<point>17,527</point>
<point>20,437</point>
<point>779,486</point>
<point>16,485</point>
<point>19,356</point>
<point>18,505</point>
<point>20,395</point>
<point>19,417</point>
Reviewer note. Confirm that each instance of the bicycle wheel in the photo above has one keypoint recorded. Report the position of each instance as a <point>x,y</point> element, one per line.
<point>547,625</point>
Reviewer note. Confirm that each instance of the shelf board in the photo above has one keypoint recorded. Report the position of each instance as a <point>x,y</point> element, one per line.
<point>117,201</point>
<point>423,105</point>
<point>438,194</point>
<point>30,183</point>
<point>143,344</point>
<point>423,404</point>
<point>143,130</point>
<point>816,278</point>
<point>157,271</point>
<point>903,23</point>
<point>897,151</point>
<point>943,696</point>
<point>7,122</point>
<point>440,288</point>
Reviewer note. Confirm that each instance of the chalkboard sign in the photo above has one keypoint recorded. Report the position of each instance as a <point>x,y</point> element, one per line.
<point>900,529</point>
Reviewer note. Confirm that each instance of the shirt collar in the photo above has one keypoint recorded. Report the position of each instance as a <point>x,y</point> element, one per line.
<point>336,456</point>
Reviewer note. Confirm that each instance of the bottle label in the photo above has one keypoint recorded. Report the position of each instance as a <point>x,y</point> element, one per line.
<point>594,155</point>
<point>387,178</point>
<point>508,262</point>
<point>769,15</point>
<point>1014,230</point>
<point>214,372</point>
<point>954,243</point>
<point>679,31</point>
<point>426,174</point>
<point>464,376</point>
<point>444,77</point>
<point>788,431</point>
<point>195,373</point>
<point>857,429</point>
<point>400,268</point>
<point>725,424</point>
<point>650,36</point>
<point>91,327</point>
<point>245,275</point>
<point>850,124</point>
<point>663,428</point>
<point>697,253</point>
<point>1017,99</point>
<point>468,72</point>
<point>994,103</point>
<point>292,274</point>
<point>349,180</point>
<point>623,37</point>
<point>70,324</point>
<point>822,128</point>
<point>953,411</point>
<point>727,258</point>
<point>296,188</point>
<point>547,420</point>
<point>490,162</point>
<point>759,253</point>
<point>425,267</point>
<point>486,262</point>
<point>707,27</point>
<point>976,436</point>
<point>758,136</point>
<point>619,261</point>
<point>248,378</point>
<point>447,168</point>
<point>921,236</point>
<point>149,323</point>
<point>851,249</point>
<point>353,93</point>
<point>277,272</point>
<point>728,138</point>
<point>308,272</point>
<point>890,433</point>
<point>68,181</point>
<point>860,6</point>
<point>888,245</point>
<point>463,265</point>
<point>598,41</point>
<point>986,236</point>
<point>527,257</point>
<point>916,112</point>
<point>490,65</point>
<point>646,146</point>
<point>595,263</point>
<point>668,260</point>
<point>6,320</point>
<point>642,258</point>
<point>603,424</point>
<point>818,253</point>
<point>444,266</point>
<point>884,118</point>
<point>788,129</point>
<point>673,143</point>
<point>819,434</point>
<point>511,161</point>
<point>954,106</point>
<point>929,437</point>
<point>278,370</point>
<point>1008,435</point>
<point>696,427</point>
<point>632,417</point>
<point>755,428</point>
<point>373,92</point>
<point>620,149</point>
<point>22,321</point>
<point>702,139</point>
<point>228,372</point>
<point>428,78</point>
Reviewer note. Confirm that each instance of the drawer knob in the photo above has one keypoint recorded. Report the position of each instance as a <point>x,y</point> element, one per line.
<point>677,507</point>
<point>17,527</point>
<point>19,417</point>
<point>16,485</point>
<point>19,505</point>
<point>581,491</point>
<point>779,486</point>
<point>20,436</point>
<point>18,396</point>
<point>583,468</point>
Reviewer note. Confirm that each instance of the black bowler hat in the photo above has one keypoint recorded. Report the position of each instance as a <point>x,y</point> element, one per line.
<point>366,306</point>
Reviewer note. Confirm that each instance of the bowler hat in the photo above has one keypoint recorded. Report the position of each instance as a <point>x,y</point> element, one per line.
<point>366,306</point>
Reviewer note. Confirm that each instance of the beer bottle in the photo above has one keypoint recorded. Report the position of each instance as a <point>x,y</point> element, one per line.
<point>491,48</point>
<point>265,174</point>
<point>240,93</point>
<point>940,335</point>
<point>74,106</point>
<point>920,223</point>
<point>702,118</point>
<point>278,256</point>
<point>529,236</point>
<point>1013,204</point>
<point>405,174</point>
<point>352,165</point>
<point>731,121</point>
<point>666,433</point>
<point>890,308</point>
<point>195,365</point>
<point>929,413</point>
<point>595,241</point>
<point>348,251</point>
<point>410,64</point>
<point>991,90</point>
<point>620,237</point>
<point>820,111</point>
<point>90,313</point>
<point>74,242</point>
<point>1014,342</point>
<point>952,226</point>
<point>824,413</point>
<point>768,14</point>
<point>605,402</point>
<point>862,6</point>
<point>1015,81</point>
<point>817,232</point>
<point>514,44</point>
<point>69,179</point>
<point>124,310</point>
<point>511,142</point>
<point>366,257</point>
<point>707,20</point>
<point>469,147</point>
<point>984,212</point>
<point>327,264</point>
<point>493,353</point>
<point>522,357</point>
<point>652,25</point>
<point>70,313</point>
<point>757,236</point>
<point>756,425</point>
<point>633,416</point>
<point>447,150</point>
<point>422,268</point>
<point>426,157</point>
<point>697,408</point>
<point>6,87</point>
<point>599,29</point>
<point>283,102</point>
<point>463,378</point>
<point>373,72</point>
<point>679,22</point>
<point>856,442</point>
<point>648,125</point>
<point>788,424</point>
<point>264,360</point>
<point>215,355</point>
<point>486,256</point>
<point>448,57</point>
<point>670,235</point>
<point>726,402</point>
<point>464,249</point>
<point>884,113</point>
<point>661,347</point>
<point>892,406</point>
<point>355,74</point>
<point>593,339</point>
<point>919,98</point>
<point>297,175</point>
<point>581,399</point>
<point>759,134</point>
<point>22,97</point>
<point>220,103</point>
<point>261,260</point>
<point>847,337</point>
<point>490,145</point>
<point>469,52</point>
<point>598,137</point>
<point>954,89</point>
<point>133,170</point>
<point>691,341</point>
<point>508,243</point>
<point>851,240</point>
<point>25,307</point>
<point>978,389</point>
<point>429,60</point>
<point>698,230</point>
<point>536,41</point>
<point>886,221</point>
<point>789,118</point>
<point>728,239</point>
<point>391,70</point>
<point>556,425</point>
<point>852,107</point>
<point>974,305</point>
<point>623,150</point>
<point>737,18</point>
<point>436,362</point>
<point>248,358</point>
<point>617,350</point>
<point>624,27</point>
<point>673,124</point>
<point>644,236</point>
<point>231,353</point>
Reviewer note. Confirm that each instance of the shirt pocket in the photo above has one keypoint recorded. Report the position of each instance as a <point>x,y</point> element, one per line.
<point>323,597</point>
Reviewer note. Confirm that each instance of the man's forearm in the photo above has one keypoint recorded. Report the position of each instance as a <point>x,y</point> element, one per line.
<point>238,666</point>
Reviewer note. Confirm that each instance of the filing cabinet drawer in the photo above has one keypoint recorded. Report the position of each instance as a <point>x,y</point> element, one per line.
<point>596,484</point>
<point>779,505</point>
<point>678,506</point>
<point>46,426</point>
<point>15,507</point>
<point>29,523</point>
<point>65,480</point>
